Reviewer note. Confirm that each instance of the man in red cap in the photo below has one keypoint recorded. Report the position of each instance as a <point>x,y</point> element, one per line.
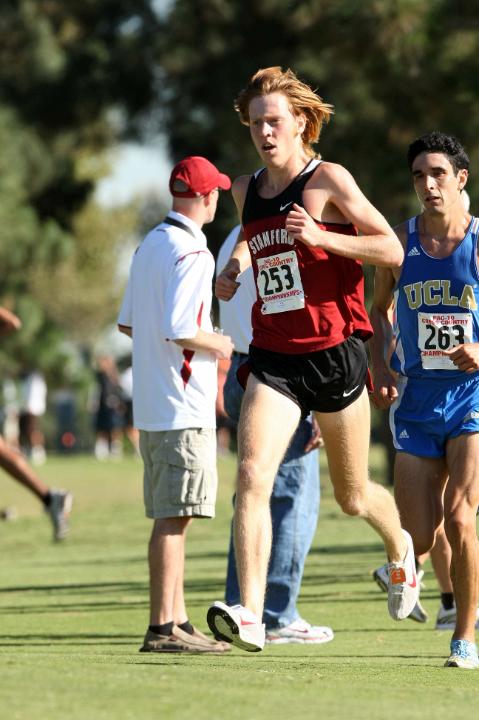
<point>166,311</point>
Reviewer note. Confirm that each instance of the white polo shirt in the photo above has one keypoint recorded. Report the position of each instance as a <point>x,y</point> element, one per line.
<point>168,297</point>
<point>235,315</point>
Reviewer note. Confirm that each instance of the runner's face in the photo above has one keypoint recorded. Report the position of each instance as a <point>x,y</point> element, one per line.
<point>435,183</point>
<point>275,131</point>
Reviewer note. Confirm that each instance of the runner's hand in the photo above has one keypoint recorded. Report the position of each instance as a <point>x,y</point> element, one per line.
<point>226,284</point>
<point>385,390</point>
<point>316,439</point>
<point>465,357</point>
<point>301,226</point>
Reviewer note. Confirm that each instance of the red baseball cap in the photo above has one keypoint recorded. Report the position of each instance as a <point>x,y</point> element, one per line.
<point>199,175</point>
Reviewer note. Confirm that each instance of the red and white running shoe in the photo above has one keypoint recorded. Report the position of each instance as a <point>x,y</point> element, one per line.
<point>236,625</point>
<point>403,586</point>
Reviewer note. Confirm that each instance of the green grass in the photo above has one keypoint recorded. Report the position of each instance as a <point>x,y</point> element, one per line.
<point>72,617</point>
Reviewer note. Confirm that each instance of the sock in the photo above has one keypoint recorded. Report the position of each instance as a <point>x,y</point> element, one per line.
<point>447,600</point>
<point>47,499</point>
<point>187,627</point>
<point>165,629</point>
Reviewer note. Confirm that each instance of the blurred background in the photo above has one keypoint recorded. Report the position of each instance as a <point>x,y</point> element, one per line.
<point>99,97</point>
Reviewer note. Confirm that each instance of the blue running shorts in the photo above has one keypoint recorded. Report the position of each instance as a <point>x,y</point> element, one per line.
<point>428,413</point>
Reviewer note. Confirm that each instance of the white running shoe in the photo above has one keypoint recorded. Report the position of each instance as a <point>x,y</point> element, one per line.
<point>236,625</point>
<point>59,509</point>
<point>299,631</point>
<point>418,613</point>
<point>446,619</point>
<point>403,586</point>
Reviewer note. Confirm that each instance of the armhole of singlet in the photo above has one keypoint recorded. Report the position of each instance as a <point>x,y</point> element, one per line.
<point>475,240</point>
<point>311,166</point>
<point>411,229</point>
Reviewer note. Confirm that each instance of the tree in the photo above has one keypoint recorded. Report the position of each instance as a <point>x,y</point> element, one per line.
<point>393,69</point>
<point>74,78</point>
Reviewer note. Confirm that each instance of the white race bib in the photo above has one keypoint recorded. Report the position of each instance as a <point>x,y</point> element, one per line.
<point>279,283</point>
<point>442,331</point>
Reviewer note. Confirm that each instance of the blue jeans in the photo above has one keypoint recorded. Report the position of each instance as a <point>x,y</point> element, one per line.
<point>294,514</point>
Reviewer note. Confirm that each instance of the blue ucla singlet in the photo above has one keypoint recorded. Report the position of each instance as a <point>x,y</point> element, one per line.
<point>436,306</point>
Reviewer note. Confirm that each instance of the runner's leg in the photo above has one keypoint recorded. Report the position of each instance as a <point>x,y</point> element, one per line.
<point>346,439</point>
<point>461,499</point>
<point>267,423</point>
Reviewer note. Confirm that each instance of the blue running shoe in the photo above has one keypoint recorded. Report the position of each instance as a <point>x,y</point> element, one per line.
<point>463,655</point>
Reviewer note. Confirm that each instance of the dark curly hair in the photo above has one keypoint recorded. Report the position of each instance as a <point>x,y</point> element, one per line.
<point>438,142</point>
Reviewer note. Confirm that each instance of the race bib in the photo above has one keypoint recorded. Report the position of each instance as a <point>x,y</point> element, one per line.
<point>279,283</point>
<point>439,332</point>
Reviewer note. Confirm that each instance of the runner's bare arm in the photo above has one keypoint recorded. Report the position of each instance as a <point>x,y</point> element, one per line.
<point>226,284</point>
<point>380,345</point>
<point>378,244</point>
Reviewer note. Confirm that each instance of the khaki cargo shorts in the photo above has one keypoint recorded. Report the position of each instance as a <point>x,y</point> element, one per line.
<point>180,477</point>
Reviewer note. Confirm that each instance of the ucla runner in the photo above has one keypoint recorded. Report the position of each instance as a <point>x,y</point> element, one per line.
<point>432,384</point>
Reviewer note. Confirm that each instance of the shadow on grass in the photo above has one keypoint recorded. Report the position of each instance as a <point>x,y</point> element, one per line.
<point>78,587</point>
<point>109,606</point>
<point>106,560</point>
<point>49,639</point>
<point>347,549</point>
<point>340,578</point>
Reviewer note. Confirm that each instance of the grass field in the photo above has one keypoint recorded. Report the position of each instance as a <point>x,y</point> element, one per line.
<point>72,617</point>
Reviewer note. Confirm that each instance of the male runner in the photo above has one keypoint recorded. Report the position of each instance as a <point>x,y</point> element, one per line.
<point>433,384</point>
<point>299,218</point>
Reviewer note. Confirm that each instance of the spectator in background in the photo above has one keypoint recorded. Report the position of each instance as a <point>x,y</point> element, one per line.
<point>126,385</point>
<point>166,312</point>
<point>110,410</point>
<point>33,404</point>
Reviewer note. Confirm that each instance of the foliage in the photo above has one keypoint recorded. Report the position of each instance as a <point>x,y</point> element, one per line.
<point>77,77</point>
<point>74,78</point>
<point>393,69</point>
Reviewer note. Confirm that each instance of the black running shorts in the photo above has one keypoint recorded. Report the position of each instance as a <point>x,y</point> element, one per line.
<point>326,381</point>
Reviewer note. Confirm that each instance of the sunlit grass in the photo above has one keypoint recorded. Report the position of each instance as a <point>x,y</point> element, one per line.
<point>73,616</point>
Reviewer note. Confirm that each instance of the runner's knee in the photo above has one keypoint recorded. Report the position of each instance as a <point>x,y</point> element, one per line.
<point>253,480</point>
<point>350,503</point>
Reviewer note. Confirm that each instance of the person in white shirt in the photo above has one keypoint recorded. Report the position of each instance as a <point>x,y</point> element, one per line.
<point>295,497</point>
<point>166,311</point>
<point>33,399</point>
